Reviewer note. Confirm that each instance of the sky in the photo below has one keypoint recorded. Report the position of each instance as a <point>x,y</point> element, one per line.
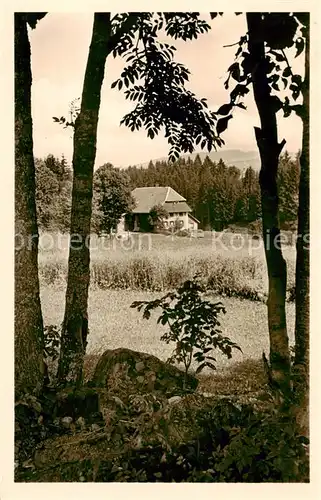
<point>59,49</point>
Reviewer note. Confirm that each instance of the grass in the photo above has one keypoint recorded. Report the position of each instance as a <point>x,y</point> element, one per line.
<point>230,265</point>
<point>244,377</point>
<point>113,324</point>
<point>122,272</point>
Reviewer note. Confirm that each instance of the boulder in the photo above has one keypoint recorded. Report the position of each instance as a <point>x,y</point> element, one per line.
<point>126,371</point>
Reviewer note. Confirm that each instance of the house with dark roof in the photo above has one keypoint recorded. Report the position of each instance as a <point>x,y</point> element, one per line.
<point>179,212</point>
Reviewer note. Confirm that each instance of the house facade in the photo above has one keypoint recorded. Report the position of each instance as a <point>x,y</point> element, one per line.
<point>179,213</point>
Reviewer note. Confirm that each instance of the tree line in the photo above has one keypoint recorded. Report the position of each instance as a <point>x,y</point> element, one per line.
<point>218,194</point>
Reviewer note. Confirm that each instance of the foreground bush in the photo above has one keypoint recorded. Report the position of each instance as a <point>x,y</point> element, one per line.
<point>236,444</point>
<point>232,443</point>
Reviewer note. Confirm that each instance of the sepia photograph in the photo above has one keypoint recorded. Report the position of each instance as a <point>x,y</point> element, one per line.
<point>161,247</point>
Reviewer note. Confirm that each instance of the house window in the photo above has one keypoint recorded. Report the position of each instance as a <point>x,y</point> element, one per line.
<point>181,214</point>
<point>171,214</point>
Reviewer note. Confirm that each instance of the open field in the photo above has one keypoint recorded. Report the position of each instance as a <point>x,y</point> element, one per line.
<point>229,264</point>
<point>113,323</point>
<point>143,268</point>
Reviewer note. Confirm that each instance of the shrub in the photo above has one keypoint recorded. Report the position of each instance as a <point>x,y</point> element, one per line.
<point>252,446</point>
<point>236,444</point>
<point>193,325</point>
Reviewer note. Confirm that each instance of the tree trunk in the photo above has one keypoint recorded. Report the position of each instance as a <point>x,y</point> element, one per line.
<point>75,324</point>
<point>302,289</point>
<point>270,149</point>
<point>29,366</point>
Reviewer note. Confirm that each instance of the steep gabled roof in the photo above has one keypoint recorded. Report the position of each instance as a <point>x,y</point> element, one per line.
<point>148,197</point>
<point>176,207</point>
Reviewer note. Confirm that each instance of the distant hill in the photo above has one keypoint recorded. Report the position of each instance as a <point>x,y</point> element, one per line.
<point>231,157</point>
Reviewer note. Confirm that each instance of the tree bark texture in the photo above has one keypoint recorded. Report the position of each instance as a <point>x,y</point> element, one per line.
<point>29,366</point>
<point>302,287</point>
<point>270,150</point>
<point>75,323</point>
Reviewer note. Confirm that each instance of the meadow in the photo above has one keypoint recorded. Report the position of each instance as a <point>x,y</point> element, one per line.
<point>230,264</point>
<point>142,268</point>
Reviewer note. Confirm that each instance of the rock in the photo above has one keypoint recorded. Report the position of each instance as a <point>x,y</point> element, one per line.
<point>66,422</point>
<point>117,371</point>
<point>139,366</point>
<point>95,427</point>
<point>80,422</point>
<point>174,399</point>
<point>208,394</point>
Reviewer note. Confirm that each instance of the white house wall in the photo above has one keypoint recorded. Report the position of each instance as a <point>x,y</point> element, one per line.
<point>187,222</point>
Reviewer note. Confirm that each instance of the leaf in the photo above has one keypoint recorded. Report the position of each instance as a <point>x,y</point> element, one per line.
<point>136,303</point>
<point>298,108</point>
<point>235,71</point>
<point>164,319</point>
<point>278,56</point>
<point>151,134</point>
<point>297,80</point>
<point>299,45</point>
<point>287,111</point>
<point>113,85</point>
<point>239,90</point>
<point>287,72</point>
<point>210,365</point>
<point>225,109</point>
<point>200,368</point>
<point>222,124</point>
<point>146,314</point>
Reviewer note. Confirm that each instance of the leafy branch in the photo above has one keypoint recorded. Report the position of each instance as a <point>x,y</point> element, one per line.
<point>280,32</point>
<point>156,83</point>
<point>192,323</point>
